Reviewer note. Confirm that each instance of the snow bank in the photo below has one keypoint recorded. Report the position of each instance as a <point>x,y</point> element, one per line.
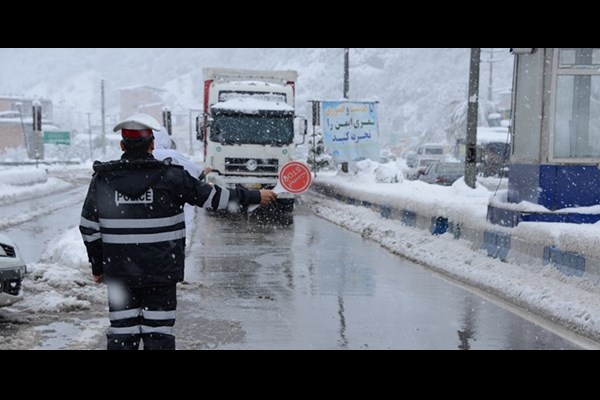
<point>63,281</point>
<point>23,183</point>
<point>23,176</point>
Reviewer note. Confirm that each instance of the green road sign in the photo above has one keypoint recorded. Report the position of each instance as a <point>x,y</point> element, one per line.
<point>57,137</point>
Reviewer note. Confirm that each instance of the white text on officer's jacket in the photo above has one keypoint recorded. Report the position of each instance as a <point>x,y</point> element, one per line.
<point>145,198</point>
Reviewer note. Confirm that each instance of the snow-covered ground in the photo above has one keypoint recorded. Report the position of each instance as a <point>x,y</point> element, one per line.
<point>61,281</point>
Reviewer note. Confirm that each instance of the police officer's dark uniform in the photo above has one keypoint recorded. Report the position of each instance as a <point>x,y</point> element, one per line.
<point>133,227</point>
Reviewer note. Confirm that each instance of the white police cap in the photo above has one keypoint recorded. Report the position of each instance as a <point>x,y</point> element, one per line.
<point>138,121</point>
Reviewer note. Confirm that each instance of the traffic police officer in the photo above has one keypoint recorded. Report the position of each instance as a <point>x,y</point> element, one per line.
<point>133,227</point>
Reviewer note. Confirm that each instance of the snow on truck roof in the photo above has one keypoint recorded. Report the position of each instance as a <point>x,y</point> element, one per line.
<point>232,74</point>
<point>256,83</point>
<point>248,104</point>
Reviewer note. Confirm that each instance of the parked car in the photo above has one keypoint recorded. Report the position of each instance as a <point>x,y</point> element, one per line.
<point>443,173</point>
<point>419,167</point>
<point>12,271</point>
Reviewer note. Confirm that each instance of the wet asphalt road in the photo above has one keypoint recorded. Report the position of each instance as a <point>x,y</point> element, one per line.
<point>311,285</point>
<point>314,285</point>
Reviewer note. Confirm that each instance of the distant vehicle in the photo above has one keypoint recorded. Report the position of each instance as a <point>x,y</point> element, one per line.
<point>12,271</point>
<point>493,159</point>
<point>443,173</point>
<point>493,150</point>
<point>419,168</point>
<point>430,150</point>
<point>426,151</point>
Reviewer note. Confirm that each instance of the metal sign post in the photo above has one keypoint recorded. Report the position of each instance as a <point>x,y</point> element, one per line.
<point>166,116</point>
<point>316,121</point>
<point>36,148</point>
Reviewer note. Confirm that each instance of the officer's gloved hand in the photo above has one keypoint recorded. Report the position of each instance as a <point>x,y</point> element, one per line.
<point>267,197</point>
<point>204,172</point>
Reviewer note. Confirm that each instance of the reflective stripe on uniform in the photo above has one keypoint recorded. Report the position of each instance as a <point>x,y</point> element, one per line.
<point>143,238</point>
<point>167,330</point>
<point>224,199</point>
<point>92,238</point>
<point>128,330</point>
<point>210,197</point>
<point>124,314</point>
<point>86,223</point>
<point>159,315</point>
<point>142,223</point>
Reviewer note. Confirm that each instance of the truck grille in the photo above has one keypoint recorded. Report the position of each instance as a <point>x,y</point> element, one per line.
<point>263,165</point>
<point>9,250</point>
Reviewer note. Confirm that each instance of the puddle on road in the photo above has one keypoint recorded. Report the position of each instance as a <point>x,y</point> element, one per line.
<point>72,335</point>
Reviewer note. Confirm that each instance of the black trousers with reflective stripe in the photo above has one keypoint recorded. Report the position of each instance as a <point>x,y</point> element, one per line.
<point>141,314</point>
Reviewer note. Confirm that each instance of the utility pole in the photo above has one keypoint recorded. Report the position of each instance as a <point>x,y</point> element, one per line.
<point>346,89</point>
<point>103,134</point>
<point>90,133</point>
<point>472,114</point>
<point>346,72</point>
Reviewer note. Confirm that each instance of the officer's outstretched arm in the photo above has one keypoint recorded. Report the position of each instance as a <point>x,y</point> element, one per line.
<point>214,197</point>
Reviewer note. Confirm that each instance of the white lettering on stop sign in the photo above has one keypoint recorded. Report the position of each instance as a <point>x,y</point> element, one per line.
<point>295,177</point>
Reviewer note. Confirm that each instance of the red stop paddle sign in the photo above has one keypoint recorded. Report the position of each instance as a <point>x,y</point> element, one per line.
<point>295,177</point>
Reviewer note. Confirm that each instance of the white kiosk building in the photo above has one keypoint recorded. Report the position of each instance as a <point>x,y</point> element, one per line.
<point>555,154</point>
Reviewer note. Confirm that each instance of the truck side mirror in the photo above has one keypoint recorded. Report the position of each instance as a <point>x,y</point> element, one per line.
<point>199,129</point>
<point>302,128</point>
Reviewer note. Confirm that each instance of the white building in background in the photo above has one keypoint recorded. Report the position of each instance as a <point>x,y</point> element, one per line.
<point>141,99</point>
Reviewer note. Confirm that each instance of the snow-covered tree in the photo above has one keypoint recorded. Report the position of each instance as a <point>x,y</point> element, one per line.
<point>456,124</point>
<point>318,158</point>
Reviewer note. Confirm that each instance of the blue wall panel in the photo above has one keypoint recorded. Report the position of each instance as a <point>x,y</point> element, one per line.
<point>577,186</point>
<point>523,183</point>
<point>554,186</point>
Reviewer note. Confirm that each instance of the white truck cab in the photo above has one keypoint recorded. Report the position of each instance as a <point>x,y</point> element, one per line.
<point>248,127</point>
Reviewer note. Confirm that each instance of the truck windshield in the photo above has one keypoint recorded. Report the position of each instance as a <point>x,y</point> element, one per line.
<point>262,128</point>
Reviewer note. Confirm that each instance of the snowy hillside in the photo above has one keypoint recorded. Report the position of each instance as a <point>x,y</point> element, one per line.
<point>415,87</point>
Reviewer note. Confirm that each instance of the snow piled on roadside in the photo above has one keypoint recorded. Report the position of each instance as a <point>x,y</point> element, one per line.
<point>571,302</point>
<point>12,193</point>
<point>26,176</point>
<point>63,282</point>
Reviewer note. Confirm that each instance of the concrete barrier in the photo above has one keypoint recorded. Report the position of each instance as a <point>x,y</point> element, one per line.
<point>528,243</point>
